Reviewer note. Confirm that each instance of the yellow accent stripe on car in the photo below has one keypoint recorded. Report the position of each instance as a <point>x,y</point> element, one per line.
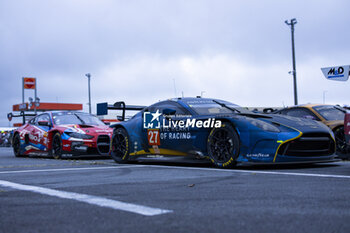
<point>161,151</point>
<point>140,152</point>
<point>283,142</point>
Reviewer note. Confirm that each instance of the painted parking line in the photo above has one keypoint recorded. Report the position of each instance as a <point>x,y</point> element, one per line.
<point>94,200</point>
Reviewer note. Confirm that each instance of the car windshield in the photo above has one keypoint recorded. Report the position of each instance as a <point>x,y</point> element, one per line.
<point>330,112</point>
<point>72,118</point>
<point>209,106</point>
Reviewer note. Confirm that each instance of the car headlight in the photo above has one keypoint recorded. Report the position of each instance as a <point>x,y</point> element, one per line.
<point>263,125</point>
<point>79,135</point>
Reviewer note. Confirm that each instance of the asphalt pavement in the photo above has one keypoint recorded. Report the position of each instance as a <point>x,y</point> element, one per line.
<point>97,195</point>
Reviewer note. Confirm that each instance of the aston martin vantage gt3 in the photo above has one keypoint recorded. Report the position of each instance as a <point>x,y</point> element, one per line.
<point>222,132</point>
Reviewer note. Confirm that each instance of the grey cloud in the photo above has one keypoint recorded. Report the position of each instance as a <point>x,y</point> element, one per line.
<point>59,41</point>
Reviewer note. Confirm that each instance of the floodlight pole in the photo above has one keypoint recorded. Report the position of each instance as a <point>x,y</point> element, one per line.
<point>88,75</point>
<point>291,24</point>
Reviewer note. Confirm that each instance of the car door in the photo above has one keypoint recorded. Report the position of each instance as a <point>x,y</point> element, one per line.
<point>39,132</point>
<point>26,132</point>
<point>161,129</point>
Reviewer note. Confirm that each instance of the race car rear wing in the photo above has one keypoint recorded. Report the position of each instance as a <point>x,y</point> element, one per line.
<point>102,108</point>
<point>21,114</point>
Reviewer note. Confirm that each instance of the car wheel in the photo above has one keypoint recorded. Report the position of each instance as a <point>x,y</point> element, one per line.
<point>120,145</point>
<point>223,146</point>
<point>16,144</point>
<point>340,140</point>
<point>56,150</point>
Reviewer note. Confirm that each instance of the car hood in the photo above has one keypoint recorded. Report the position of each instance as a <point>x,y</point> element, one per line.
<point>301,124</point>
<point>334,124</point>
<point>89,129</point>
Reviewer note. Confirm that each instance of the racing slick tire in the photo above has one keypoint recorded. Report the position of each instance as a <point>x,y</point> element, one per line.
<point>56,150</point>
<point>341,145</point>
<point>223,146</point>
<point>16,144</point>
<point>120,146</point>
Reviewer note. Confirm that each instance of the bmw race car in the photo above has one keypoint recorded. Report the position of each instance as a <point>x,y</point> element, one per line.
<point>224,133</point>
<point>63,132</point>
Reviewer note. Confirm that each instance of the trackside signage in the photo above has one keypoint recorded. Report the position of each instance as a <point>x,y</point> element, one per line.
<point>29,83</point>
<point>336,73</point>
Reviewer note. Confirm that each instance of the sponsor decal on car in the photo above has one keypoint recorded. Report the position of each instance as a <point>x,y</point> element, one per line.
<point>156,149</point>
<point>153,137</point>
<point>259,155</point>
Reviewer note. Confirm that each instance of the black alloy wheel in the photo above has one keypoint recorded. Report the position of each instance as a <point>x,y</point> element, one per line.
<point>16,144</point>
<point>223,146</point>
<point>57,146</point>
<point>120,145</point>
<point>340,141</point>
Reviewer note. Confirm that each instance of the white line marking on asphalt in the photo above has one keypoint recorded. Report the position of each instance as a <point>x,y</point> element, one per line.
<point>259,172</point>
<point>94,200</point>
<point>186,168</point>
<point>69,169</point>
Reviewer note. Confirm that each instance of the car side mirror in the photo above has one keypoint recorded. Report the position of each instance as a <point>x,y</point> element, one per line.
<point>120,118</point>
<point>44,123</point>
<point>169,111</point>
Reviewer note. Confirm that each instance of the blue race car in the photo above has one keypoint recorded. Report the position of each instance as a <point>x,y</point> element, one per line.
<point>224,133</point>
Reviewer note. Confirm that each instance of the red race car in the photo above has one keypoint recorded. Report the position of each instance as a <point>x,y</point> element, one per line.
<point>347,128</point>
<point>62,133</point>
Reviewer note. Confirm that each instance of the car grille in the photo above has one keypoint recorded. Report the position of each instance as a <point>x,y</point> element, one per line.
<point>309,145</point>
<point>103,144</point>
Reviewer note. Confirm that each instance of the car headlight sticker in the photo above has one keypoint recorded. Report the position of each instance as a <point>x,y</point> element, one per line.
<point>79,135</point>
<point>264,125</point>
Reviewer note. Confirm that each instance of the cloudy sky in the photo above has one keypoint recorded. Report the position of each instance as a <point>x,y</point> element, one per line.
<point>142,51</point>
